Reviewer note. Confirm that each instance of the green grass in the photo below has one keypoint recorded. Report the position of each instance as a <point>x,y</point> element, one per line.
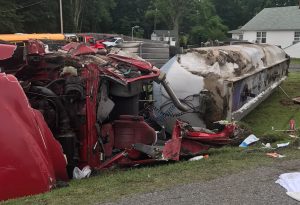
<point>112,185</point>
<point>295,61</point>
<point>277,110</point>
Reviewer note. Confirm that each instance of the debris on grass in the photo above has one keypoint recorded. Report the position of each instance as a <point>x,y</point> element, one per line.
<point>283,145</point>
<point>249,140</point>
<point>199,157</point>
<point>293,136</point>
<point>267,146</point>
<point>275,155</point>
<point>80,174</point>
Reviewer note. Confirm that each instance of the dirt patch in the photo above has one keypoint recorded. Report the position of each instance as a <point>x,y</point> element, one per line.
<point>286,102</point>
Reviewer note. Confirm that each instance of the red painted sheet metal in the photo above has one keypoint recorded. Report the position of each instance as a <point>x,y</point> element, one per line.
<point>82,49</point>
<point>70,46</point>
<point>31,160</point>
<point>151,71</point>
<point>7,51</point>
<point>88,154</point>
<point>35,47</point>
<point>76,49</point>
<point>172,147</point>
<point>129,130</point>
<point>219,138</point>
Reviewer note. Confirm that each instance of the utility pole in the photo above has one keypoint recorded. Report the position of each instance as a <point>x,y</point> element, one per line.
<point>61,17</point>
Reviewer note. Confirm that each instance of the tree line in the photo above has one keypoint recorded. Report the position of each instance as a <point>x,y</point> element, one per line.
<point>194,21</point>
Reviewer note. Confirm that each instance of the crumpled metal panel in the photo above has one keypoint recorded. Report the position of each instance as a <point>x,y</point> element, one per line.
<point>77,49</point>
<point>7,51</point>
<point>35,47</point>
<point>220,82</point>
<point>31,160</point>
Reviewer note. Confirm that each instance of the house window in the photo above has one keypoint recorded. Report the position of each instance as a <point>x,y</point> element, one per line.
<point>297,36</point>
<point>261,37</point>
<point>241,37</point>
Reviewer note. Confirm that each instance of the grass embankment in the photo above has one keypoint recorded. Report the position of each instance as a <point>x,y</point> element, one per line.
<point>276,111</point>
<point>295,61</point>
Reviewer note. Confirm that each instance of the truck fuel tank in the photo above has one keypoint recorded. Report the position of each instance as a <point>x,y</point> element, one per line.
<point>219,83</point>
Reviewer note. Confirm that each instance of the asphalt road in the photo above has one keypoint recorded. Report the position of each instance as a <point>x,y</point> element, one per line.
<point>256,186</point>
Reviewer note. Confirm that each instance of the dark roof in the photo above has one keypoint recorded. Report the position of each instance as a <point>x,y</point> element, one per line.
<point>277,18</point>
<point>165,32</point>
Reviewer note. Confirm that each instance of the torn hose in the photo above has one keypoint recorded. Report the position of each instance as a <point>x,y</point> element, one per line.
<point>180,106</point>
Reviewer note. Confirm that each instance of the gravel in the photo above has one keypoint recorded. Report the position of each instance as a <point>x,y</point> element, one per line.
<point>255,186</point>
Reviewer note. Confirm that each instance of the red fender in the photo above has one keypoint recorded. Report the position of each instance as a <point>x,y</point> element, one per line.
<point>31,160</point>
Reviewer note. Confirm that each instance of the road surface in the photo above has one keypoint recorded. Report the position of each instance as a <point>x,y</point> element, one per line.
<point>256,186</point>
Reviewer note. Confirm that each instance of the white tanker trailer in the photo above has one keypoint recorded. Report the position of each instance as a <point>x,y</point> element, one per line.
<point>218,83</point>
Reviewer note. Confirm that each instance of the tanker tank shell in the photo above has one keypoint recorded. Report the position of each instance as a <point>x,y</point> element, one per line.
<point>218,83</point>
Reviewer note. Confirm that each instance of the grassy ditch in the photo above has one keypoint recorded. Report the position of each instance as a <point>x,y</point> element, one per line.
<point>276,111</point>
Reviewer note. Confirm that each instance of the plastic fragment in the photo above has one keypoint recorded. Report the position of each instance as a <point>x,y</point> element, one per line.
<point>198,158</point>
<point>275,155</point>
<point>249,140</point>
<point>293,136</point>
<point>80,174</point>
<point>267,146</point>
<point>283,144</point>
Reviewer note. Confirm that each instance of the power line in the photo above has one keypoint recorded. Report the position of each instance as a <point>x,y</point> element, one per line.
<point>22,7</point>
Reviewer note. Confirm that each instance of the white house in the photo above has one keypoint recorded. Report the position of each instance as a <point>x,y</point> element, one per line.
<point>278,26</point>
<point>164,35</point>
<point>293,50</point>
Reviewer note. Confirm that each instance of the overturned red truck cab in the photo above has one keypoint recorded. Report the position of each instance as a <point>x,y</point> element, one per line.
<point>96,106</point>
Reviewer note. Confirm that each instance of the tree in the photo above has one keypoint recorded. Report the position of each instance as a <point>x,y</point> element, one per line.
<point>203,24</point>
<point>277,3</point>
<point>97,16</point>
<point>172,12</point>
<point>213,29</point>
<point>235,13</point>
<point>10,22</point>
<point>40,18</point>
<point>130,13</point>
<point>194,19</point>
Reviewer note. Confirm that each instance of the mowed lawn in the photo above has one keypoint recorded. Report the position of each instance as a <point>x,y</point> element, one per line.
<point>108,186</point>
<point>295,61</point>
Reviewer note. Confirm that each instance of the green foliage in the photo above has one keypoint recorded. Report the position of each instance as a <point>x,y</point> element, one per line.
<point>196,20</point>
<point>10,21</point>
<point>43,17</point>
<point>130,13</point>
<point>236,13</point>
<point>277,110</point>
<point>213,29</point>
<point>295,61</point>
<point>97,16</point>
